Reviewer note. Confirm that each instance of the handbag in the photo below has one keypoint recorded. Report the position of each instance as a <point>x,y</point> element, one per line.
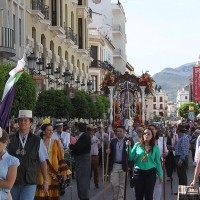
<point>63,184</point>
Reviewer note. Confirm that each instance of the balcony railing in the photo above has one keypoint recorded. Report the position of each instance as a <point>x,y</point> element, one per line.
<point>89,13</point>
<point>38,5</point>
<point>117,52</point>
<point>103,65</point>
<point>70,35</point>
<point>6,37</point>
<point>116,27</point>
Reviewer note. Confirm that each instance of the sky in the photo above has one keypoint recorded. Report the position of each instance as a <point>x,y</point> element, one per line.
<point>161,33</point>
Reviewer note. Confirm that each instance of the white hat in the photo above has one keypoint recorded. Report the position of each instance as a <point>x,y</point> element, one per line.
<point>25,114</point>
<point>59,123</point>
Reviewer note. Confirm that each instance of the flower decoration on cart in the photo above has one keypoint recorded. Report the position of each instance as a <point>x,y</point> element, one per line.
<point>146,80</point>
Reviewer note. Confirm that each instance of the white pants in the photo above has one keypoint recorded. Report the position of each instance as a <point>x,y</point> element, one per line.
<point>117,180</point>
<point>157,193</point>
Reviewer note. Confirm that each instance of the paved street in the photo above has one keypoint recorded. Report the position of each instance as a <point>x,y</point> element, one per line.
<point>97,194</point>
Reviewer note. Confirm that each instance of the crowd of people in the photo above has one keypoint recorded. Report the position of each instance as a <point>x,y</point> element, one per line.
<point>34,164</point>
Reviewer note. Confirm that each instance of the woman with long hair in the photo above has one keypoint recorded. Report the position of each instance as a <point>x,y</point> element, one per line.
<point>146,156</point>
<point>8,166</point>
<point>170,161</point>
<point>160,141</point>
<point>56,164</point>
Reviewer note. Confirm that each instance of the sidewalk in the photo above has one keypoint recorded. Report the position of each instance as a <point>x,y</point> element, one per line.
<point>97,194</point>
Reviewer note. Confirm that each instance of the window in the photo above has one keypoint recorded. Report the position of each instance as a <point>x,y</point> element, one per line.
<point>80,33</point>
<point>161,106</point>
<point>154,106</point>
<point>161,99</point>
<point>154,99</point>
<point>20,32</point>
<point>186,97</point>
<point>94,83</point>
<point>54,17</point>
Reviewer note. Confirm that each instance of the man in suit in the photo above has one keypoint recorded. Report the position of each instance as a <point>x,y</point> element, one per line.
<point>118,163</point>
<point>81,151</point>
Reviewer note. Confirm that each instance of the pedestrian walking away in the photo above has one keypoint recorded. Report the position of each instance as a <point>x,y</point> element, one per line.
<point>181,152</point>
<point>81,152</point>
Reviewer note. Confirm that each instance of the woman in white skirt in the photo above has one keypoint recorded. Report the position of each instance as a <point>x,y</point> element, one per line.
<point>157,194</point>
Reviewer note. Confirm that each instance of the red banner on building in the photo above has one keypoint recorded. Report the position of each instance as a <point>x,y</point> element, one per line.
<point>196,84</point>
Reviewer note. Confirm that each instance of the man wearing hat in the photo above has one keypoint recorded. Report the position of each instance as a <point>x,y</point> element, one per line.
<point>181,152</point>
<point>63,137</point>
<point>30,151</point>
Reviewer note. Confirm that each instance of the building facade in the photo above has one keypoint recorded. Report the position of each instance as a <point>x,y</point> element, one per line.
<point>56,32</point>
<point>183,96</point>
<point>119,37</point>
<point>12,30</point>
<point>105,38</point>
<point>160,104</point>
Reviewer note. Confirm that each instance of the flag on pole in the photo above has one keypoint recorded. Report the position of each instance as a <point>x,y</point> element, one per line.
<point>9,92</point>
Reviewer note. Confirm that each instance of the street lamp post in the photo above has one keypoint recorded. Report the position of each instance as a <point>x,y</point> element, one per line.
<point>89,85</point>
<point>31,63</point>
<point>57,77</point>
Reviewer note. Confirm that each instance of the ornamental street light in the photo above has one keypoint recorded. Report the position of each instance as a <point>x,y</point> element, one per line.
<point>77,82</point>
<point>82,85</point>
<point>31,63</point>
<point>89,86</point>
<point>39,65</point>
<point>67,76</point>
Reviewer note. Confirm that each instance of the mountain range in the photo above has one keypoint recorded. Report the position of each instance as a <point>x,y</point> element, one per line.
<point>173,79</point>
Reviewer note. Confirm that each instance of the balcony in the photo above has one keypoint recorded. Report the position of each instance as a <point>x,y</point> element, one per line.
<point>7,42</point>
<point>116,28</point>
<point>71,37</point>
<point>103,65</point>
<point>117,52</point>
<point>37,5</point>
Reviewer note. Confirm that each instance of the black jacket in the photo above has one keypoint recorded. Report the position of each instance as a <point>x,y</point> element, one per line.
<point>125,161</point>
<point>82,146</point>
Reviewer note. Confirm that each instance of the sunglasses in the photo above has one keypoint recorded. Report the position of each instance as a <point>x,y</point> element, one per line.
<point>147,133</point>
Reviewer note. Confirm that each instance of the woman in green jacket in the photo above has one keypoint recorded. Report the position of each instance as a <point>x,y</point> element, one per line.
<point>147,164</point>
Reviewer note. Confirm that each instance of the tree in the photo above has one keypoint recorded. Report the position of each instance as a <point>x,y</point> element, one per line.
<point>53,103</point>
<point>102,105</point>
<point>25,96</point>
<point>184,109</point>
<point>81,105</point>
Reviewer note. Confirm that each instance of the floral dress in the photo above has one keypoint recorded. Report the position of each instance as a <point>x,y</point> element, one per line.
<point>6,162</point>
<point>56,158</point>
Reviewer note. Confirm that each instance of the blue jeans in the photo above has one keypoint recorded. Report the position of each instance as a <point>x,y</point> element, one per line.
<point>23,192</point>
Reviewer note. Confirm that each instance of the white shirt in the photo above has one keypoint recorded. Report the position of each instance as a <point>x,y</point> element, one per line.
<point>94,145</point>
<point>197,151</point>
<point>160,145</point>
<point>65,136</point>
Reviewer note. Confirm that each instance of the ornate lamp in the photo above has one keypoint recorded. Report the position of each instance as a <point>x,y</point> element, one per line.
<point>31,62</point>
<point>39,65</point>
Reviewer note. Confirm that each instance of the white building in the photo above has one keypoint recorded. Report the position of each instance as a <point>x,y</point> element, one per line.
<point>12,30</point>
<point>160,102</point>
<point>106,40</point>
<point>182,96</point>
<point>119,37</point>
<point>171,110</point>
